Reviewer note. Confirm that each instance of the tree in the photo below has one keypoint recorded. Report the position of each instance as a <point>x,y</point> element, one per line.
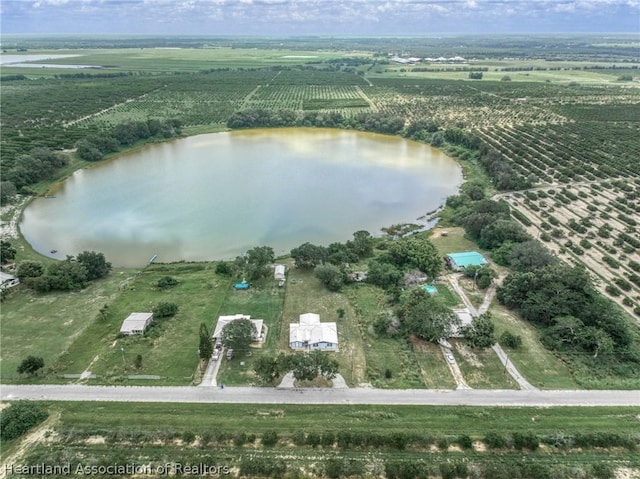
<point>510,340</point>
<point>166,282</point>
<point>500,231</point>
<point>418,252</point>
<point>19,417</point>
<point>7,191</point>
<point>530,255</point>
<point>331,276</point>
<point>307,367</point>
<point>481,332</point>
<point>31,365</point>
<point>66,275</point>
<point>238,334</point>
<point>205,348</point>
<point>258,259</point>
<point>29,269</point>
<point>475,75</point>
<point>266,368</point>
<point>385,275</point>
<point>165,310</point>
<point>7,252</point>
<point>426,316</point>
<point>341,253</point>
<point>362,243</point>
<point>308,256</point>
<point>95,263</point>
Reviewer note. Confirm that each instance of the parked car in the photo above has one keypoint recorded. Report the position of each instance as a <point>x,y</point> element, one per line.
<point>216,354</point>
<point>450,358</point>
<point>229,353</point>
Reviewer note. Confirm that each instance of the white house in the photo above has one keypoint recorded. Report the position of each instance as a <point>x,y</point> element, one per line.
<point>278,274</point>
<point>224,320</point>
<point>310,333</point>
<point>136,323</point>
<point>8,280</point>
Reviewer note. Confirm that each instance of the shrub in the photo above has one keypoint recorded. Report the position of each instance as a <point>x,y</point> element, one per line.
<point>465,441</point>
<point>298,438</point>
<point>31,365</point>
<point>510,340</point>
<point>494,440</point>
<point>270,438</point>
<point>19,418</point>
<point>328,439</point>
<point>188,437</point>
<point>165,310</point>
<point>166,282</point>
<point>240,439</point>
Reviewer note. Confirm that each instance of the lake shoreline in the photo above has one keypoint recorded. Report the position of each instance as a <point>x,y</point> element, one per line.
<point>425,219</point>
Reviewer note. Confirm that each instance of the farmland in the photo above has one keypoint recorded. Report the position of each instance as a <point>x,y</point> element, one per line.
<point>565,123</point>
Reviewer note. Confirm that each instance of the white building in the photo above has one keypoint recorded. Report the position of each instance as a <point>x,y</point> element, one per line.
<point>224,320</point>
<point>310,333</point>
<point>8,280</point>
<point>136,323</point>
<point>465,318</point>
<point>278,274</point>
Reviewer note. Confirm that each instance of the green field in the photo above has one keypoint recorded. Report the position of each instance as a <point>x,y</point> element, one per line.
<point>108,433</point>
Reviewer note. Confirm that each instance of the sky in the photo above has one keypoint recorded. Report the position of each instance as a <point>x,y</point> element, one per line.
<point>318,17</point>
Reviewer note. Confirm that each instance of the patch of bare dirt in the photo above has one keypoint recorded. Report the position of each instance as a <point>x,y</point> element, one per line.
<point>468,355</point>
<point>37,435</point>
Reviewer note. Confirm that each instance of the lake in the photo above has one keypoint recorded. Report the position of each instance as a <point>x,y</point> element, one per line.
<point>214,196</point>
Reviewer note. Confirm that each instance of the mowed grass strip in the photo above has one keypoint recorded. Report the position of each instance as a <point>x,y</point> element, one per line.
<point>252,418</point>
<point>170,349</point>
<point>482,369</point>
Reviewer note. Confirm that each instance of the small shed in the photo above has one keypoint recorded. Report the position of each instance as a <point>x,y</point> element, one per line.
<point>279,272</point>
<point>136,323</point>
<point>459,261</point>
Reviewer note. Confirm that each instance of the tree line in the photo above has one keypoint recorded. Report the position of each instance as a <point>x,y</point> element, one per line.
<point>73,273</point>
<point>574,319</point>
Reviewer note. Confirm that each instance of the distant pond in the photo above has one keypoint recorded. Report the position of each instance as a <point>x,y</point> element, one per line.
<point>214,196</point>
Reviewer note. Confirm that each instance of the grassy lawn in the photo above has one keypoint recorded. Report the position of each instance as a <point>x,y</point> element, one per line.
<point>48,324</point>
<point>111,433</point>
<point>536,363</point>
<point>481,369</point>
<point>305,294</point>
<point>454,241</point>
<point>262,301</point>
<point>96,416</point>
<point>168,350</point>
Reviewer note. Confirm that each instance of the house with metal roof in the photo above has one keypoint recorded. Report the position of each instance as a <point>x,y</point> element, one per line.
<point>259,336</point>
<point>136,323</point>
<point>310,333</point>
<point>279,271</point>
<point>459,261</point>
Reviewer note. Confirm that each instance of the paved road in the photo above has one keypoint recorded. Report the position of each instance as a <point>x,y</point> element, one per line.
<point>466,397</point>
